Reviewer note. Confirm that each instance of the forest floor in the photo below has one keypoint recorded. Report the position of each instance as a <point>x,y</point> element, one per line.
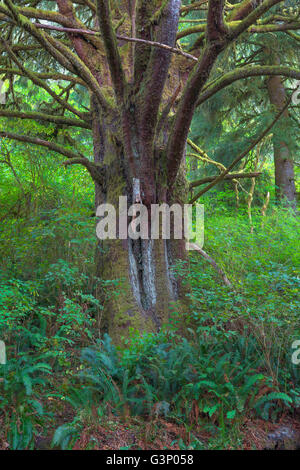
<point>130,433</point>
<point>256,434</point>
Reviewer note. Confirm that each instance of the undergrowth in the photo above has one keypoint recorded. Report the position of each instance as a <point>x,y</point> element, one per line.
<point>227,358</point>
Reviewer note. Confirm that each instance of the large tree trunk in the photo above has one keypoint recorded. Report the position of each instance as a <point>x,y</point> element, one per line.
<point>146,282</point>
<point>283,161</point>
<point>143,101</point>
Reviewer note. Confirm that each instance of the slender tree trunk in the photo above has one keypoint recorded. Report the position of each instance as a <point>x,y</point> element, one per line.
<point>283,160</point>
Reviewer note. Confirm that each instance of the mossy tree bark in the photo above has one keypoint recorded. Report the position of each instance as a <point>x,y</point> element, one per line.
<point>146,282</point>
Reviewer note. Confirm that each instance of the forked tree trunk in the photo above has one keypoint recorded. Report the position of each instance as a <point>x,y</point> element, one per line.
<point>147,285</point>
<point>143,101</point>
<point>283,160</point>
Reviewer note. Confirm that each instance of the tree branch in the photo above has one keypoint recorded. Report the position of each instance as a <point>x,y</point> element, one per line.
<point>112,51</point>
<point>242,73</point>
<point>22,21</point>
<point>43,76</point>
<point>43,143</point>
<point>242,155</point>
<point>252,17</point>
<point>152,86</point>
<point>120,37</point>
<point>203,156</point>
<point>242,10</point>
<point>193,6</point>
<point>211,261</point>
<point>38,81</point>
<point>61,53</point>
<point>230,176</point>
<point>29,12</point>
<point>97,173</point>
<point>61,120</point>
<point>216,29</point>
<point>187,105</point>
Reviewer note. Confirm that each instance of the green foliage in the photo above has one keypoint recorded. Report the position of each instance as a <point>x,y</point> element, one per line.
<point>166,375</point>
<point>235,358</point>
<point>41,344</point>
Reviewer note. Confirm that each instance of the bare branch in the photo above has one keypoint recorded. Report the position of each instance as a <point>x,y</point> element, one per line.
<point>201,155</point>
<point>230,176</point>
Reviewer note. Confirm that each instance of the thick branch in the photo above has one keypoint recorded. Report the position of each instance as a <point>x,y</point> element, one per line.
<point>97,173</point>
<point>152,87</point>
<point>200,28</point>
<point>273,28</point>
<point>186,108</point>
<point>29,12</point>
<point>242,10</point>
<point>193,6</point>
<point>215,20</point>
<point>86,48</point>
<point>61,120</point>
<point>252,18</point>
<point>112,51</point>
<point>43,143</point>
<point>43,76</point>
<point>245,72</point>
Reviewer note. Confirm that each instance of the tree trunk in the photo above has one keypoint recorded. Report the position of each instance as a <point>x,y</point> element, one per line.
<point>283,161</point>
<point>143,268</point>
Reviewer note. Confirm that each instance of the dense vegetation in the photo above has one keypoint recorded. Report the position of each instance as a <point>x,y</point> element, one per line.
<point>231,363</point>
<point>220,364</point>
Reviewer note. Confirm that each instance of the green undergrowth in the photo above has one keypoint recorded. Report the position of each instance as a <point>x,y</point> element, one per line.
<point>234,360</point>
